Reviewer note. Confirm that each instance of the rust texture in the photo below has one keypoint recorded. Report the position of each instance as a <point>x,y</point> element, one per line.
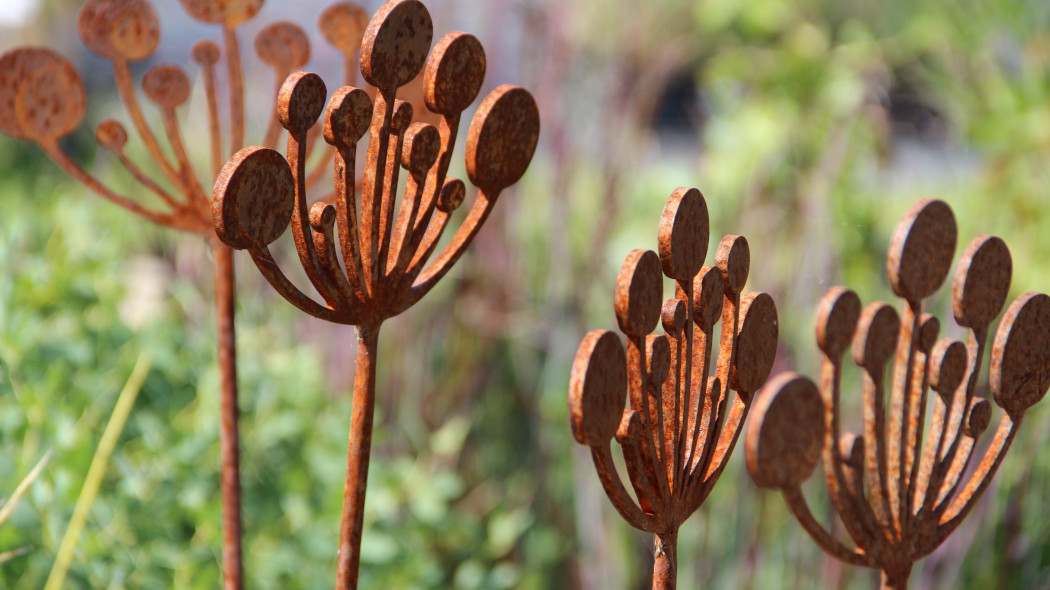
<point>42,100</point>
<point>898,493</point>
<point>681,420</point>
<point>367,251</point>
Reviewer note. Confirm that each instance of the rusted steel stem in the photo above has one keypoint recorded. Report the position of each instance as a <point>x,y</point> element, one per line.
<point>229,438</point>
<point>665,561</point>
<point>357,457</point>
<point>896,580</point>
<point>236,89</point>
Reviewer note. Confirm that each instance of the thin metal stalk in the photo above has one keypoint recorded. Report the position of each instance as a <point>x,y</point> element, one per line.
<point>897,580</point>
<point>665,563</point>
<point>357,456</point>
<point>229,438</point>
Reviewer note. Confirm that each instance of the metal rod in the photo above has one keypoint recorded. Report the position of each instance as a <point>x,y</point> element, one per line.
<point>665,561</point>
<point>357,456</point>
<point>229,439</point>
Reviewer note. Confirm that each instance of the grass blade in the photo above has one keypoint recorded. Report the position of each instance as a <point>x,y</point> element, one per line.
<point>9,507</point>
<point>93,481</point>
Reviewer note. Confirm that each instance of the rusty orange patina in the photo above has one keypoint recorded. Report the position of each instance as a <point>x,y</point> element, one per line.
<point>368,253</point>
<point>42,99</point>
<point>900,494</point>
<point>682,419</point>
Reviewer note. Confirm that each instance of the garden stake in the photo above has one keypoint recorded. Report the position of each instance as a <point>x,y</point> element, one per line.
<point>384,267</point>
<point>681,426</point>
<point>42,100</point>
<point>899,496</point>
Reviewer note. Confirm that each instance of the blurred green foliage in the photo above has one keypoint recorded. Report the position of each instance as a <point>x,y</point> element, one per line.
<point>816,124</point>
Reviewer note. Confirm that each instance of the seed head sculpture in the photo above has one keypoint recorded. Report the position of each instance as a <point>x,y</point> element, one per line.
<point>682,422</point>
<point>42,99</point>
<point>899,494</point>
<point>384,268</point>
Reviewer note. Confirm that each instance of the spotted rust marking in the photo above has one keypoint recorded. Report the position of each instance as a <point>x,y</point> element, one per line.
<point>283,45</point>
<point>371,254</point>
<point>41,95</point>
<point>900,494</point>
<point>119,30</point>
<point>681,419</point>
<point>343,25</point>
<point>42,100</point>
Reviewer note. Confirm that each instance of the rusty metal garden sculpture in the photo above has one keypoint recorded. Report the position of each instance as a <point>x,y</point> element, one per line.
<point>900,496</point>
<point>384,268</point>
<point>682,424</point>
<point>42,99</point>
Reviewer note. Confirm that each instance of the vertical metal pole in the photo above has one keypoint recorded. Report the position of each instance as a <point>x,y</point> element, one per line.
<point>897,580</point>
<point>228,433</point>
<point>665,564</point>
<point>357,456</point>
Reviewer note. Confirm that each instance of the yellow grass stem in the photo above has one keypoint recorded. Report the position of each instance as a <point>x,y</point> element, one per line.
<point>9,507</point>
<point>99,462</point>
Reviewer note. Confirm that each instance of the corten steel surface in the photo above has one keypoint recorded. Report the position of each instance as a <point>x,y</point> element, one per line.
<point>377,267</point>
<point>682,422</point>
<point>900,495</point>
<point>42,99</point>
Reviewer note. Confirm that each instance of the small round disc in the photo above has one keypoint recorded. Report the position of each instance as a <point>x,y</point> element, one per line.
<point>454,73</point>
<point>733,258</point>
<point>343,25</point>
<point>283,45</point>
<point>396,44</point>
<point>301,101</point>
<point>756,347</point>
<point>205,52</point>
<point>119,29</point>
<point>639,291</point>
<point>1020,371</point>
<point>948,366</point>
<point>421,145</point>
<point>982,281</point>
<point>253,199</point>
<point>875,339</point>
<point>597,388</point>
<point>452,194</point>
<point>836,319</point>
<point>111,135</point>
<point>51,103</point>
<point>684,233</point>
<point>708,297</point>
<point>785,433</point>
<point>60,87</point>
<point>166,85</point>
<point>921,251</point>
<point>502,138</point>
<point>347,117</point>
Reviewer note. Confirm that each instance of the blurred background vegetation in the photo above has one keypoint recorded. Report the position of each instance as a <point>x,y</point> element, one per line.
<point>810,126</point>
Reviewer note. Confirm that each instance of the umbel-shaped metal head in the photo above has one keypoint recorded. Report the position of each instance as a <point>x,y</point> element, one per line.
<point>681,421</point>
<point>898,493</point>
<point>42,97</point>
<point>260,191</point>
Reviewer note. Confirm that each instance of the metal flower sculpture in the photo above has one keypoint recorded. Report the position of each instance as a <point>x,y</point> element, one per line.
<point>42,99</point>
<point>898,495</point>
<point>682,423</point>
<point>259,192</point>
